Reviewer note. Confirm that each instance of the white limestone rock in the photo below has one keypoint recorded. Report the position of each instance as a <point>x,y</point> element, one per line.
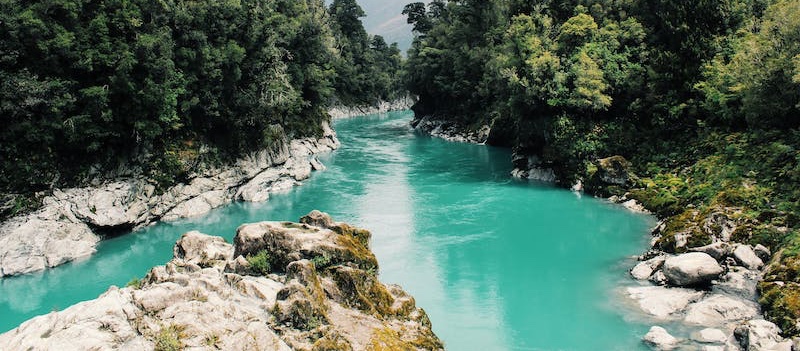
<point>759,334</point>
<point>762,252</point>
<point>710,335</point>
<point>61,231</point>
<point>692,268</point>
<point>718,310</point>
<point>746,257</point>
<point>209,308</point>
<point>659,339</point>
<point>738,281</point>
<point>203,250</point>
<point>643,270</point>
<point>716,250</point>
<point>662,302</point>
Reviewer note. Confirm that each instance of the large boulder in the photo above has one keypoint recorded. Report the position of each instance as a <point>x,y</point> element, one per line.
<point>691,269</point>
<point>202,249</point>
<point>746,257</point>
<point>24,248</point>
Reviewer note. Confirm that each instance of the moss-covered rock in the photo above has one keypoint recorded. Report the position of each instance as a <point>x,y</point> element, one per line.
<point>362,290</point>
<point>610,176</point>
<point>781,304</point>
<point>342,244</point>
<point>332,341</point>
<point>388,340</point>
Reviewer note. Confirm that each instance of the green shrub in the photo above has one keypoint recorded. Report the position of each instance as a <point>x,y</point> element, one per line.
<point>135,283</point>
<point>169,338</point>
<point>321,261</point>
<point>260,262</point>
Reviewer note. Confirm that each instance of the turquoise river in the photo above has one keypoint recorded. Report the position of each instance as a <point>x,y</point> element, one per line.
<point>498,263</point>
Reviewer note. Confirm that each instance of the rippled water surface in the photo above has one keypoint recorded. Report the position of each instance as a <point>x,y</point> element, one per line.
<point>498,264</point>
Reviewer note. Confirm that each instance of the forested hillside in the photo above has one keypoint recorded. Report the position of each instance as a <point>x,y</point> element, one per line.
<point>702,97</point>
<point>88,85</point>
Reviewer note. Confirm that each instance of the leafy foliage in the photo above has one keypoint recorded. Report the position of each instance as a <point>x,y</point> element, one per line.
<point>260,262</point>
<point>88,85</point>
<point>368,67</point>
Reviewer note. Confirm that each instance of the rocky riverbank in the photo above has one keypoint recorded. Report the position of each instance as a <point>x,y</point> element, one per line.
<point>450,131</point>
<point>340,112</point>
<point>282,286</point>
<point>72,221</point>
<point>695,282</point>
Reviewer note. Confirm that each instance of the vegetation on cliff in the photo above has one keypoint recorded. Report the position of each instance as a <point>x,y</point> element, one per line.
<point>88,85</point>
<point>703,98</point>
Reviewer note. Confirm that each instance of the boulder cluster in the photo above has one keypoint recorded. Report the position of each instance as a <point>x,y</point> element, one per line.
<point>305,286</point>
<point>711,291</point>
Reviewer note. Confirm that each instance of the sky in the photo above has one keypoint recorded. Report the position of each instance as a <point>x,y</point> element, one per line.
<point>385,18</point>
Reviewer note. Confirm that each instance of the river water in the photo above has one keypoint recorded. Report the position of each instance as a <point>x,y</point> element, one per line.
<point>498,263</point>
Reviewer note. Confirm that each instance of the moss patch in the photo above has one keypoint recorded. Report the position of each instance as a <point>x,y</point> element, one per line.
<point>363,291</point>
<point>388,340</point>
<point>332,342</point>
<point>781,304</point>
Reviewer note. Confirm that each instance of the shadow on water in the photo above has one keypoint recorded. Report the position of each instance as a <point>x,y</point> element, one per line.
<point>498,264</point>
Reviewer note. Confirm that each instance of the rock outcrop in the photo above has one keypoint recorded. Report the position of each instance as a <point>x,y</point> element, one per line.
<point>450,131</point>
<point>71,222</point>
<point>340,112</point>
<point>282,286</point>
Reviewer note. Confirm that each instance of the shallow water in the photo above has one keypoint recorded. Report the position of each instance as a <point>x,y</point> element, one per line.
<point>498,264</point>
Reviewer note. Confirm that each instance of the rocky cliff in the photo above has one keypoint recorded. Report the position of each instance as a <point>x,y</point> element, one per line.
<point>305,286</point>
<point>72,221</point>
<point>340,112</point>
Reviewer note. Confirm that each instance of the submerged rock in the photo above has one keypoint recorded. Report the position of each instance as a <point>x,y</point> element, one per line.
<point>694,268</point>
<point>718,310</point>
<point>659,339</point>
<point>327,297</point>
<point>662,302</point>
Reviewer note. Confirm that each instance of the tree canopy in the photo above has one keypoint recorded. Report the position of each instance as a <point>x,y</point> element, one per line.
<point>88,84</point>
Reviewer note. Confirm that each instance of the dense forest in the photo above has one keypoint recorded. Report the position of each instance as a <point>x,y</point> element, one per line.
<point>702,97</point>
<point>88,85</point>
